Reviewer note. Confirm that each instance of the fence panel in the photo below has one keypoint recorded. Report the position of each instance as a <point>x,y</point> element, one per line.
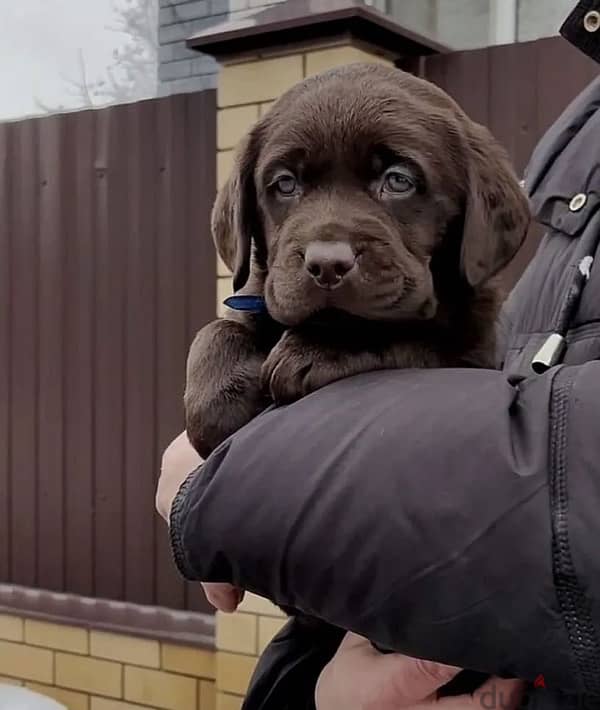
<point>106,271</point>
<point>518,91</point>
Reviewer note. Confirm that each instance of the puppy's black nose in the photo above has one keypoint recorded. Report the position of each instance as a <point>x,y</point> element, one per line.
<point>329,262</point>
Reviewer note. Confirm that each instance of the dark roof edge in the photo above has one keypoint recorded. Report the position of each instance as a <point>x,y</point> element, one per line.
<point>229,38</point>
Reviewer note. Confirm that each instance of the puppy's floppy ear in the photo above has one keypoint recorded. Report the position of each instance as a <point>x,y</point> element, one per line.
<point>497,212</point>
<point>235,220</point>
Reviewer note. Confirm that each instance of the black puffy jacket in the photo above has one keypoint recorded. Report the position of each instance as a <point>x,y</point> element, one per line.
<point>448,514</point>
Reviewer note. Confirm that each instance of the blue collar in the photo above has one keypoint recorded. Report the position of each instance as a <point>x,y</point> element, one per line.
<point>249,304</point>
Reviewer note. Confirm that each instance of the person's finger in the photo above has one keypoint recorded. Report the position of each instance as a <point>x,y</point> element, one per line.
<point>224,597</point>
<point>225,600</point>
<point>415,679</point>
<point>494,694</point>
<point>408,679</point>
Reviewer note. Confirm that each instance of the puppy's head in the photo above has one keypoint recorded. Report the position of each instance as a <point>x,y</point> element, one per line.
<point>362,190</point>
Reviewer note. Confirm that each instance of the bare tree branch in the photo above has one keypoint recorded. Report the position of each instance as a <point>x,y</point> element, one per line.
<point>133,74</point>
<point>83,82</point>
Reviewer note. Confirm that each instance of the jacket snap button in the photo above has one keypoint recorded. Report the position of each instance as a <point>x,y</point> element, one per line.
<point>577,202</point>
<point>591,21</point>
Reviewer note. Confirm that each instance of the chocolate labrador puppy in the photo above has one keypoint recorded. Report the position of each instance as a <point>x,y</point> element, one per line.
<point>371,215</point>
<point>365,220</point>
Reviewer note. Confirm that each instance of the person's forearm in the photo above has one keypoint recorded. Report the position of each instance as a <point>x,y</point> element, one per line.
<point>415,509</point>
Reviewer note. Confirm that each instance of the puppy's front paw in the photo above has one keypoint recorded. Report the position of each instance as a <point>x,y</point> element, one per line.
<point>223,390</point>
<point>295,368</point>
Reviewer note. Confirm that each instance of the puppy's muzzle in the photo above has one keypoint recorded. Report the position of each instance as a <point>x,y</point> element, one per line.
<point>329,263</point>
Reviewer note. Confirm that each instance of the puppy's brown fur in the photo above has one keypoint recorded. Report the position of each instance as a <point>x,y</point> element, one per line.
<point>422,199</point>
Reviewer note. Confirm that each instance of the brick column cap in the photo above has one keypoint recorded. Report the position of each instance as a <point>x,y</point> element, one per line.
<point>309,22</point>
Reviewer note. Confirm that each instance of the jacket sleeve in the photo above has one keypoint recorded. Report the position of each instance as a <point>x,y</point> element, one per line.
<point>445,514</point>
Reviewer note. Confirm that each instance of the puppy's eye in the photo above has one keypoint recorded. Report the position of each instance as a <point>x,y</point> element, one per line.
<point>398,181</point>
<point>286,184</point>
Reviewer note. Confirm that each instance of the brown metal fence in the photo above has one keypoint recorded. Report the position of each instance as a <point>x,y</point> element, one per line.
<point>518,91</point>
<point>106,271</point>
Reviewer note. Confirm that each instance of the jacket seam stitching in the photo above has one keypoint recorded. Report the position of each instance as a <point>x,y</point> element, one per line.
<point>573,603</point>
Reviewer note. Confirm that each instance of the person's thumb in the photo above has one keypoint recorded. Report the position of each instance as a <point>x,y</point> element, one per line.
<point>415,679</point>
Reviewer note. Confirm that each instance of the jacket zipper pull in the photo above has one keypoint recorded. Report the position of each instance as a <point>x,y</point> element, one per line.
<point>552,351</point>
<point>550,354</point>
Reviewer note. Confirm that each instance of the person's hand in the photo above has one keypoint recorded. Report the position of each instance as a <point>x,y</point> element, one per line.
<point>178,460</point>
<point>361,678</point>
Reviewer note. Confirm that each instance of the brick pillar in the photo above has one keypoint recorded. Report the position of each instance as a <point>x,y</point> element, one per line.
<point>246,89</point>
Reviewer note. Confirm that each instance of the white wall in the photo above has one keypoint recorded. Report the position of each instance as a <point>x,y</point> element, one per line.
<point>542,18</point>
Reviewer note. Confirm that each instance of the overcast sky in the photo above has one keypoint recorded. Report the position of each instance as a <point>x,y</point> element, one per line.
<point>39,43</point>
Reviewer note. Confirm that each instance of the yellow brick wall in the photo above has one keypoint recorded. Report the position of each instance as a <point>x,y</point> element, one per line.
<point>246,90</point>
<point>93,670</point>
<point>241,637</point>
